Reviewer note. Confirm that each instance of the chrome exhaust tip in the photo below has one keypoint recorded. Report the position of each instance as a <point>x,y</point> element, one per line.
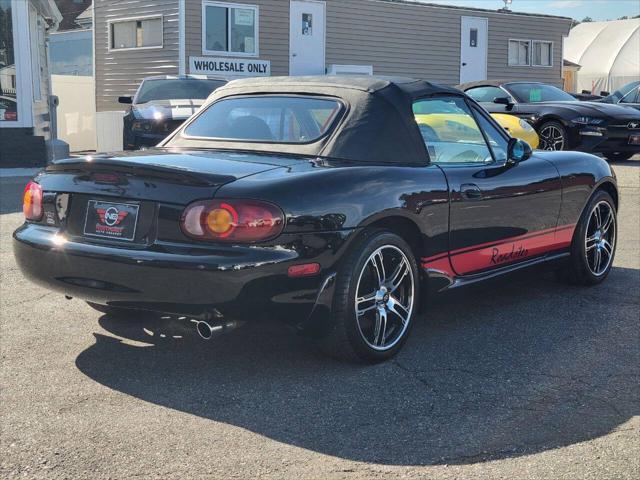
<point>207,330</point>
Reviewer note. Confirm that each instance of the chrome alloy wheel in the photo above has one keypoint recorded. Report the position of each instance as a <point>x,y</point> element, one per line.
<point>551,138</point>
<point>384,297</point>
<point>600,238</point>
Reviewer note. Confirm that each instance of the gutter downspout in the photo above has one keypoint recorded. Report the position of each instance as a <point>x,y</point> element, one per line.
<point>181,38</point>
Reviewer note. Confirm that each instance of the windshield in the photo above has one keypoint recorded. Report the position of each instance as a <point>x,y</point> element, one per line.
<point>277,119</point>
<point>537,92</point>
<point>176,88</point>
<point>618,94</point>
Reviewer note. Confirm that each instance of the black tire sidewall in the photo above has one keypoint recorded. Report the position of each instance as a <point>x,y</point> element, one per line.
<point>348,281</point>
<point>581,270</point>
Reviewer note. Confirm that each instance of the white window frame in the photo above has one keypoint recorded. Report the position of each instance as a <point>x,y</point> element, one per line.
<point>522,40</point>
<point>533,42</point>
<point>134,19</point>
<point>229,6</point>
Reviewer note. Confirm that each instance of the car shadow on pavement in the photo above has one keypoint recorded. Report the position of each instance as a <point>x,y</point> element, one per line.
<point>510,368</point>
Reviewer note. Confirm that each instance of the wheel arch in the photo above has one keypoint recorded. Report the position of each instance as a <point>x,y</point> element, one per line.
<point>608,186</point>
<point>402,226</point>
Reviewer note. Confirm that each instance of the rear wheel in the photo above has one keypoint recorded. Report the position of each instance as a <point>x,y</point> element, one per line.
<point>553,136</point>
<point>618,156</point>
<point>375,299</point>
<point>594,242</point>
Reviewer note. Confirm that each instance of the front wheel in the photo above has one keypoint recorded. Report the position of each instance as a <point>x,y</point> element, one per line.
<point>553,136</point>
<point>594,242</point>
<point>375,299</point>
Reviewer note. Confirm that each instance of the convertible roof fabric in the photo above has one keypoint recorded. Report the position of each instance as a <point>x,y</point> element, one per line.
<point>377,124</point>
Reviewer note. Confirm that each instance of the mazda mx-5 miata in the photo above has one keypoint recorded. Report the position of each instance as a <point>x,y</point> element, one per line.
<point>321,200</point>
<point>563,122</point>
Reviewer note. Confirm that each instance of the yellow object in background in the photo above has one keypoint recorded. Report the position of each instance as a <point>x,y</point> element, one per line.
<point>454,127</point>
<point>517,128</point>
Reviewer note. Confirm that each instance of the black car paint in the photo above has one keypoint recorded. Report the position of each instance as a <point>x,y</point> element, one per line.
<point>329,205</point>
<point>615,128</point>
<point>320,226</point>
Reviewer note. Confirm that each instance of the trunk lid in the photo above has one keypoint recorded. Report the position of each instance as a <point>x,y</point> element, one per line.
<point>136,197</point>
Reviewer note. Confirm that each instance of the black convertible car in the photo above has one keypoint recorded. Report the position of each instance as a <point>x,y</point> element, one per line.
<point>319,199</point>
<point>161,104</point>
<point>562,122</point>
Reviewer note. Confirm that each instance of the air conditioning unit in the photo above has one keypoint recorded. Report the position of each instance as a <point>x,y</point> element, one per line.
<point>350,70</point>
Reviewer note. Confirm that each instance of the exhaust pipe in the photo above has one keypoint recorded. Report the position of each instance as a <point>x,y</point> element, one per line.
<point>208,330</point>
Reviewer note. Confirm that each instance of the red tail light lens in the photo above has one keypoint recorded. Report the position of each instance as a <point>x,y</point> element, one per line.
<point>239,221</point>
<point>32,201</point>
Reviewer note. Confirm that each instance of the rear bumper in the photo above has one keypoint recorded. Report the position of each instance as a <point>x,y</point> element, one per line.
<point>170,278</point>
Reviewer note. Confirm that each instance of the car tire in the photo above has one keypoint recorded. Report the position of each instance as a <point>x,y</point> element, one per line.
<point>113,311</point>
<point>388,304</point>
<point>618,156</point>
<point>553,136</point>
<point>594,242</point>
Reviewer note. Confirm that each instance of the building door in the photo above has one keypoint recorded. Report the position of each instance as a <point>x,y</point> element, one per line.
<point>474,38</point>
<point>307,37</point>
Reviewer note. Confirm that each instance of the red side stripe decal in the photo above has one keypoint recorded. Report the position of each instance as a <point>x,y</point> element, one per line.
<point>496,254</point>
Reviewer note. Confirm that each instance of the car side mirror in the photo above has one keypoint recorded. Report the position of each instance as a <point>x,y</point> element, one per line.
<point>502,101</point>
<point>127,100</point>
<point>604,93</point>
<point>506,101</point>
<point>518,150</point>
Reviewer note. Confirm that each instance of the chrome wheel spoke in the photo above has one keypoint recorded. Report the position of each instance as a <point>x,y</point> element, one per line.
<point>607,247</point>
<point>380,330</point>
<point>598,217</point>
<point>377,262</point>
<point>596,261</point>
<point>369,299</point>
<point>398,275</point>
<point>400,310</point>
<point>608,221</point>
<point>590,243</point>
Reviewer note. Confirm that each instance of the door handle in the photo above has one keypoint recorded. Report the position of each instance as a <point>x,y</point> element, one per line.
<point>470,191</point>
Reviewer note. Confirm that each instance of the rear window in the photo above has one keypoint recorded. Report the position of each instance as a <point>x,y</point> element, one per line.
<point>277,119</point>
<point>176,89</point>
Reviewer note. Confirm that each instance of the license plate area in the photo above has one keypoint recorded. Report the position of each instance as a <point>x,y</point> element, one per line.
<point>634,139</point>
<point>111,220</point>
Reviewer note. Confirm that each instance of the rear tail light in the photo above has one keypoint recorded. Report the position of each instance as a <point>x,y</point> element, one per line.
<point>239,221</point>
<point>32,201</point>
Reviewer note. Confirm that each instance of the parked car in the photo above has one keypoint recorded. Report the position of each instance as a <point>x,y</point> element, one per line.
<point>160,105</point>
<point>627,96</point>
<point>562,122</point>
<point>320,200</point>
<point>516,127</point>
<point>8,108</point>
<point>586,96</point>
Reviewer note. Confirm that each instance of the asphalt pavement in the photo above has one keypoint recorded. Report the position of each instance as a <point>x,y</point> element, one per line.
<point>523,378</point>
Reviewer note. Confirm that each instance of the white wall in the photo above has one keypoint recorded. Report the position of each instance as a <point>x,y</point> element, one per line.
<point>109,131</point>
<point>76,111</point>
